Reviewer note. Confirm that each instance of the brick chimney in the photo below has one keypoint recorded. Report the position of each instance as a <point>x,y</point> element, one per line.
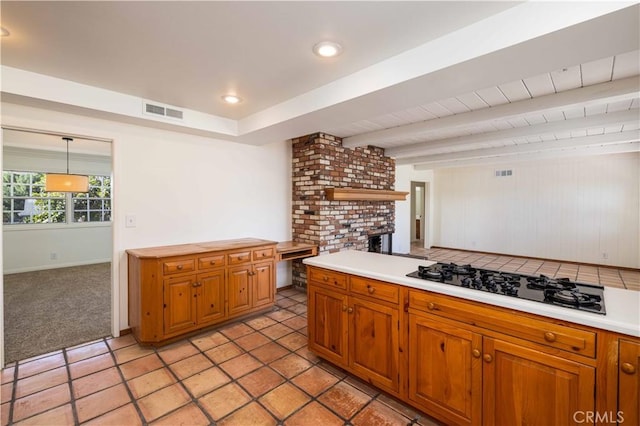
<point>320,161</point>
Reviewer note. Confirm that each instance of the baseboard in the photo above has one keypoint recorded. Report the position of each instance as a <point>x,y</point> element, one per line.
<point>57,266</point>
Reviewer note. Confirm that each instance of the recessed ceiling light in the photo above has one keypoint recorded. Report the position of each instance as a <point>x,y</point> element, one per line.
<point>231,99</point>
<point>4,32</point>
<point>327,49</point>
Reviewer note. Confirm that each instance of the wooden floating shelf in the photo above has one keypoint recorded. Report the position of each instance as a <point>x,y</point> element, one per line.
<point>355,194</point>
<point>289,250</point>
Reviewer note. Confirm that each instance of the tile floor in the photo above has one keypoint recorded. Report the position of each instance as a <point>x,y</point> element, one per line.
<point>254,372</point>
<point>606,276</point>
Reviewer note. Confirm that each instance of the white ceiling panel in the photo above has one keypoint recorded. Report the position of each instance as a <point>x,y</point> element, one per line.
<point>515,91</point>
<point>626,65</point>
<point>472,101</point>
<point>595,72</point>
<point>454,105</point>
<point>492,96</point>
<point>566,79</point>
<point>540,85</point>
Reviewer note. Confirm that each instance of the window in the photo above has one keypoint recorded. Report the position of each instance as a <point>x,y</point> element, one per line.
<point>26,201</point>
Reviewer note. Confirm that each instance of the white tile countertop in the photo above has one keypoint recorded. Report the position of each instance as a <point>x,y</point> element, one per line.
<point>622,306</point>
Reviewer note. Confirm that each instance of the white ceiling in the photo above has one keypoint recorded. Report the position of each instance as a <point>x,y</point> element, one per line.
<point>435,83</point>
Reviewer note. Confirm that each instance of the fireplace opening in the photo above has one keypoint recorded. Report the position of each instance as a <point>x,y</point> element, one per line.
<point>380,243</point>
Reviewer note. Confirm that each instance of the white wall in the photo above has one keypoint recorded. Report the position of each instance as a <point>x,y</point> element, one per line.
<point>402,236</point>
<point>181,188</point>
<point>572,209</point>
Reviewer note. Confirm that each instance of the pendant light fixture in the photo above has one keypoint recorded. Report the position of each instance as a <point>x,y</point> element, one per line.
<point>58,182</point>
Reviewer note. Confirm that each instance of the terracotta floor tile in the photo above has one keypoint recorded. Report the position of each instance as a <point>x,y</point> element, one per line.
<point>6,392</point>
<point>236,330</point>
<point>314,414</point>
<point>344,399</point>
<point>300,309</point>
<point>276,331</point>
<point>240,365</point>
<point>126,415</point>
<point>284,400</point>
<point>121,342</point>
<point>8,373</point>
<point>62,415</point>
<point>300,297</point>
<point>41,381</point>
<point>190,366</point>
<point>37,403</point>
<point>41,356</point>
<point>361,386</point>
<point>187,415</point>
<point>140,366</point>
<point>296,322</point>
<point>39,365</point>
<point>291,365</point>
<point>377,413</point>
<point>293,341</point>
<point>130,353</point>
<point>177,351</point>
<point>150,382</point>
<point>286,302</point>
<point>315,381</point>
<point>269,352</point>
<point>206,381</point>
<point>250,415</point>
<point>4,414</point>
<point>95,382</point>
<point>280,315</point>
<point>288,293</point>
<point>338,372</point>
<point>159,403</point>
<point>209,340</point>
<point>304,331</point>
<point>260,322</point>
<point>224,352</point>
<point>223,401</point>
<point>261,381</point>
<point>90,365</point>
<point>405,410</point>
<point>101,402</point>
<point>252,341</point>
<point>87,351</point>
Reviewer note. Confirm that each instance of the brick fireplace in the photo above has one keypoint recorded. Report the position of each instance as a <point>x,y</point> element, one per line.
<point>320,161</point>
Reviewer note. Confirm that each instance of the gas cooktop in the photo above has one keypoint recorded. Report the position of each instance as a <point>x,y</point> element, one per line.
<point>553,291</point>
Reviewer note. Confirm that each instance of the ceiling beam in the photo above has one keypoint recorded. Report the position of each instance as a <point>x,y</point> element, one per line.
<point>525,148</point>
<point>594,121</point>
<point>528,157</point>
<point>609,92</point>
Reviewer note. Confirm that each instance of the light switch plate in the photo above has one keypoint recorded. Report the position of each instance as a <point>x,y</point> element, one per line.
<point>130,221</point>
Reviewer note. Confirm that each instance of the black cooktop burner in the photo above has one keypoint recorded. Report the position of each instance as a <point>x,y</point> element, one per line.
<point>555,291</point>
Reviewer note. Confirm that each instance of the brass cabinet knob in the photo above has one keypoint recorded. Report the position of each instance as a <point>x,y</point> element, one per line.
<point>549,337</point>
<point>344,308</point>
<point>431,306</point>
<point>371,289</point>
<point>213,262</point>
<point>325,278</point>
<point>475,353</point>
<point>180,267</point>
<point>487,358</point>
<point>194,285</point>
<point>627,368</point>
<point>350,310</point>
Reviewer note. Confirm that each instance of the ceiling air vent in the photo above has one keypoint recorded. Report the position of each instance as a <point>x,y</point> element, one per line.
<point>159,110</point>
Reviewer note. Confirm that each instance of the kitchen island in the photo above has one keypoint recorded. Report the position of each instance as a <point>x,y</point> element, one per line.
<point>473,357</point>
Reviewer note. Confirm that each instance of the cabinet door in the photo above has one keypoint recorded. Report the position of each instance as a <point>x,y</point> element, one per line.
<point>328,324</point>
<point>445,369</point>
<point>263,283</point>
<point>179,304</point>
<point>238,289</point>
<point>629,382</point>
<point>523,386</point>
<point>210,297</point>
<point>373,342</point>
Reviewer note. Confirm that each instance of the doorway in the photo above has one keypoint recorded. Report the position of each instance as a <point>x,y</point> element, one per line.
<point>57,247</point>
<point>418,215</point>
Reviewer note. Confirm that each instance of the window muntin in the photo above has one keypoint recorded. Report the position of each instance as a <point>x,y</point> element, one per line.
<point>95,205</point>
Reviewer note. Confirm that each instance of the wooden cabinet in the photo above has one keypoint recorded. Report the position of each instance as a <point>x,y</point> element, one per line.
<point>358,333</point>
<point>179,289</point>
<point>629,382</point>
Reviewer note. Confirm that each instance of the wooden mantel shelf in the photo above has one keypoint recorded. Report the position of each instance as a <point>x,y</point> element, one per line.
<point>347,194</point>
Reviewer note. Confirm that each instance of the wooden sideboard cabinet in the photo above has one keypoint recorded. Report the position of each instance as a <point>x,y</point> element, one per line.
<point>179,289</point>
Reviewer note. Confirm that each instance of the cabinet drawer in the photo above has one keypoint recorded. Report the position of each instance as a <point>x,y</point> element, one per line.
<point>265,253</point>
<point>543,332</point>
<point>328,278</point>
<point>208,262</point>
<point>240,257</point>
<point>375,289</point>
<point>178,266</point>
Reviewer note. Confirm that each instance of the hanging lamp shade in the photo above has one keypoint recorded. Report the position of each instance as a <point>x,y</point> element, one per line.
<point>59,182</point>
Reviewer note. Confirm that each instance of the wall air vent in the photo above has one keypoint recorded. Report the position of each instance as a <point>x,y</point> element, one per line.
<point>504,173</point>
<point>159,110</point>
